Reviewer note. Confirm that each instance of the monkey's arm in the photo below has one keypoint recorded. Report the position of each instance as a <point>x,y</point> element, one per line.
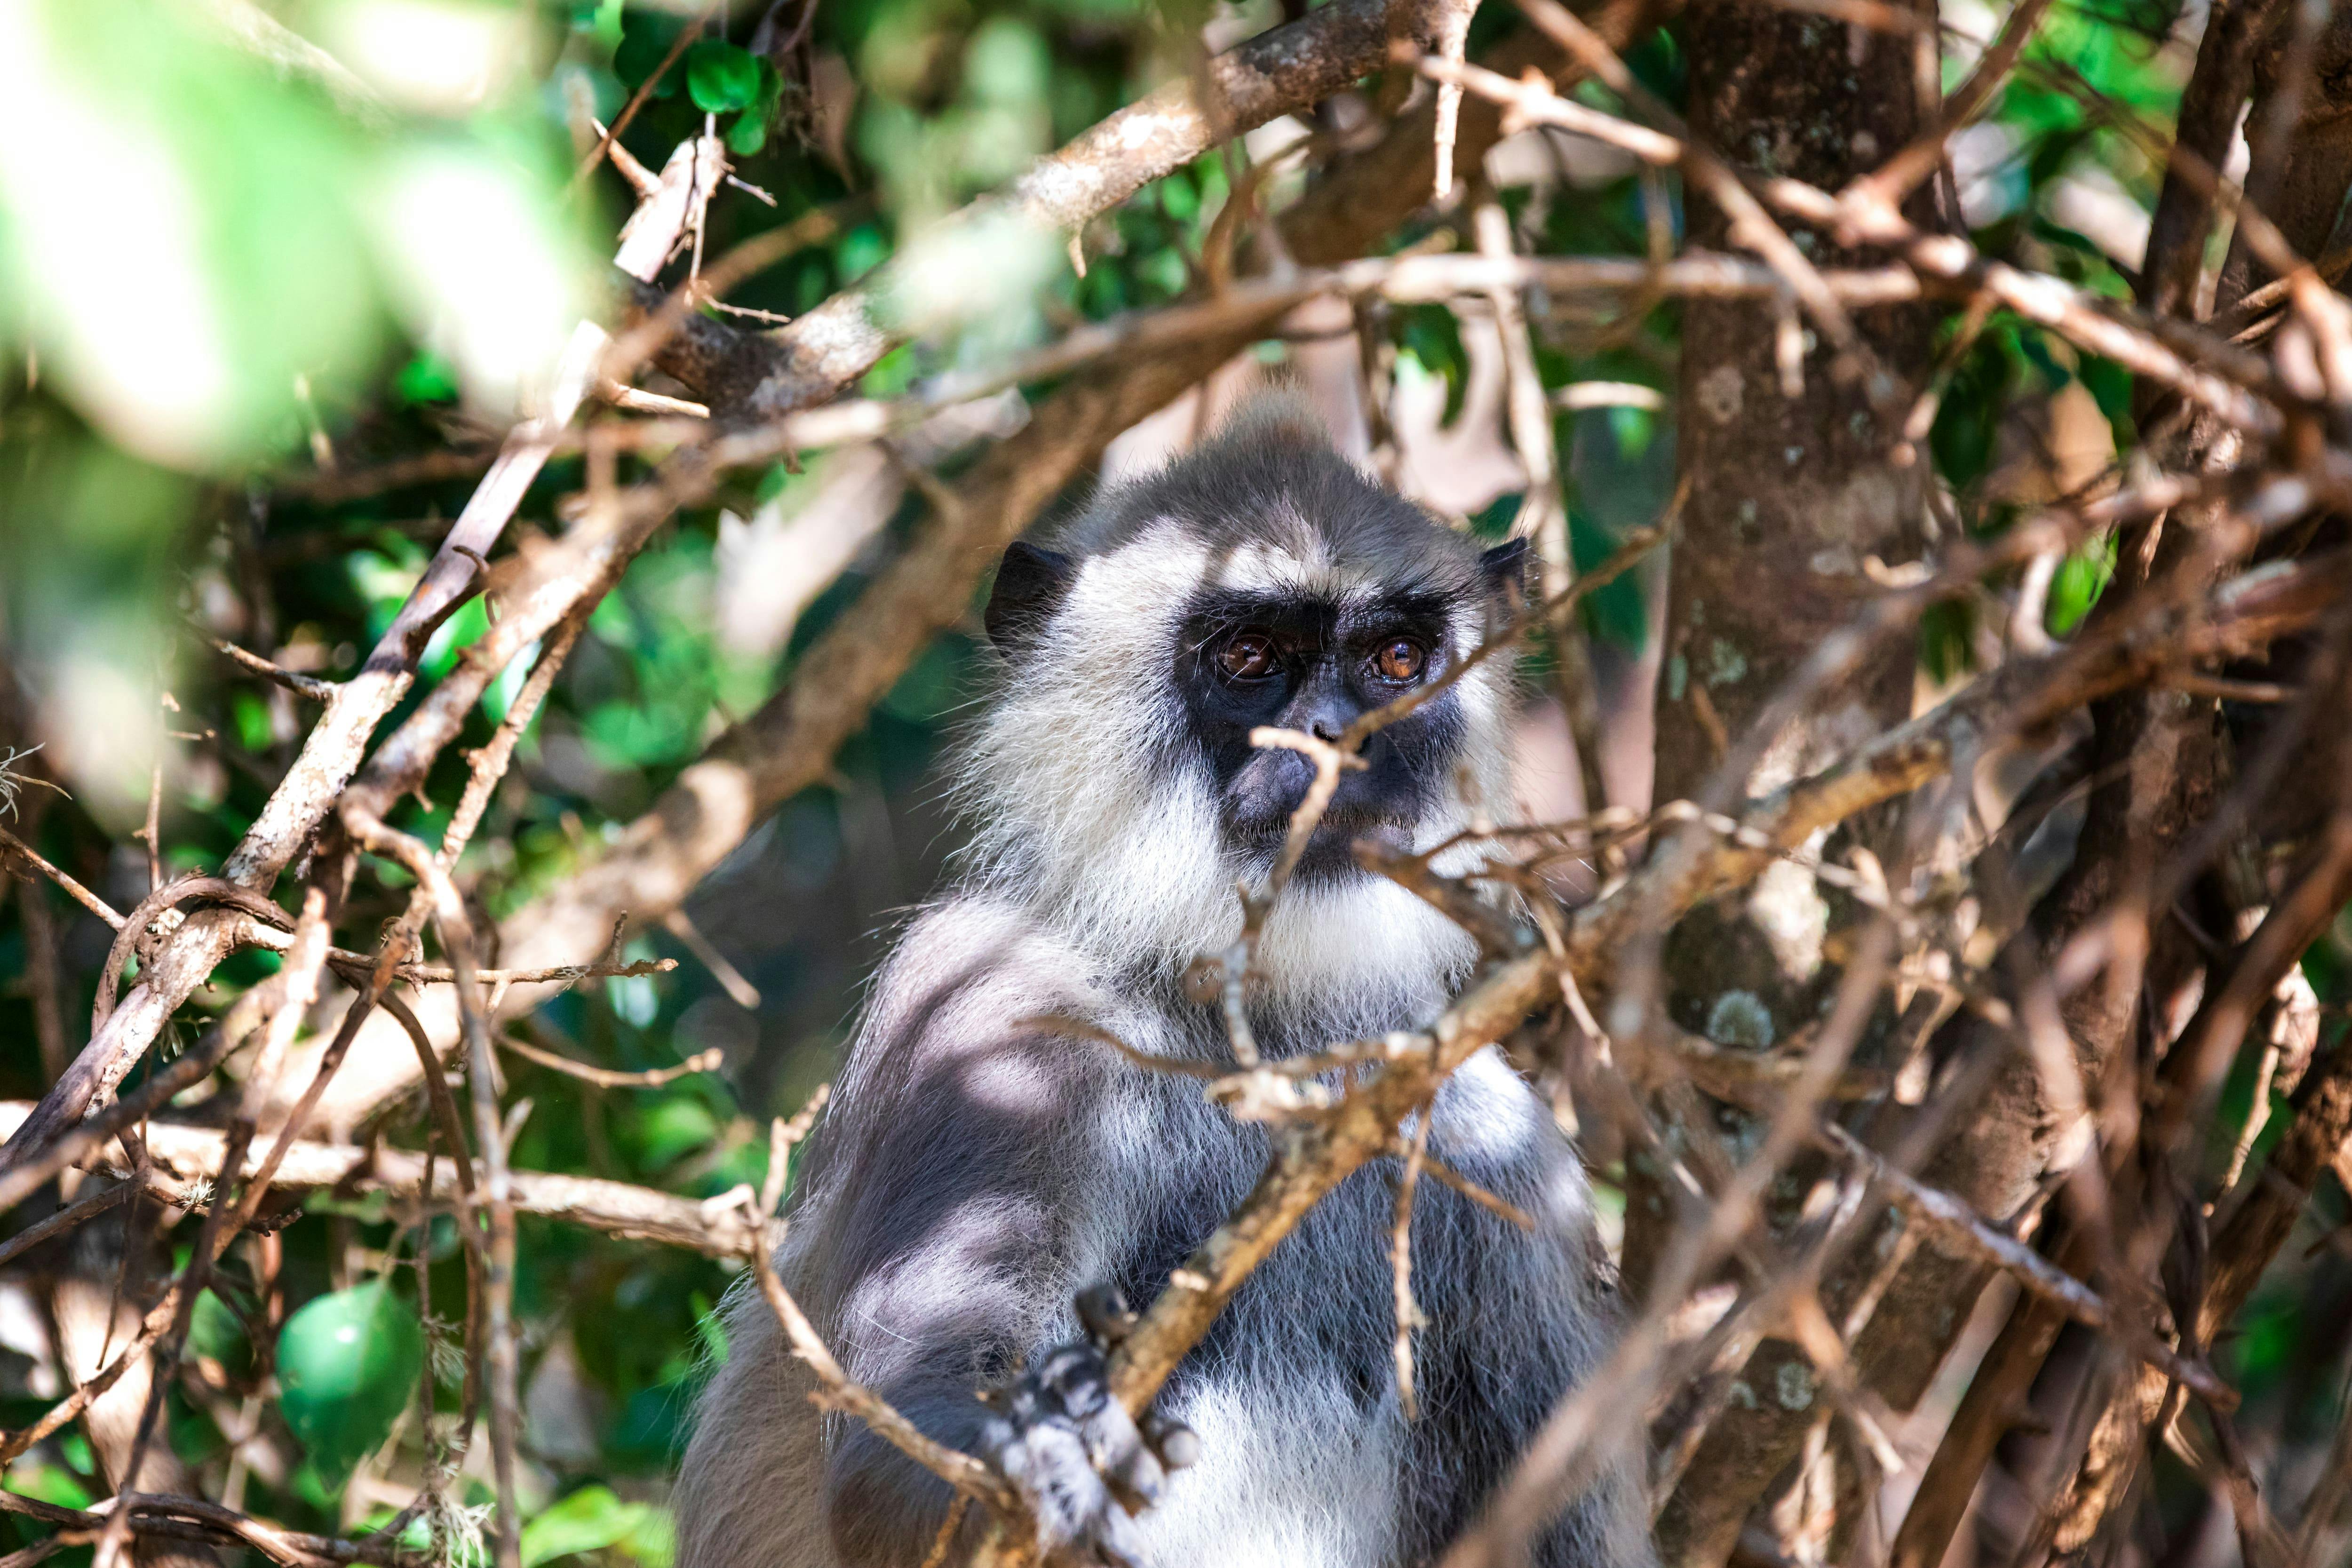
<point>961,1228</point>
<point>957,1197</point>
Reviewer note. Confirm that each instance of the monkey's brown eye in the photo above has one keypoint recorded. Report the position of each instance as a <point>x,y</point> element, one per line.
<point>1400,660</point>
<point>1249,657</point>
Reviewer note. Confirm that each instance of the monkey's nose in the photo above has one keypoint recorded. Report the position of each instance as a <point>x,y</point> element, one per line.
<point>1326,729</point>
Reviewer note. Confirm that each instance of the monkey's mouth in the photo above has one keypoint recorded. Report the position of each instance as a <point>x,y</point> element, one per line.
<point>1334,835</point>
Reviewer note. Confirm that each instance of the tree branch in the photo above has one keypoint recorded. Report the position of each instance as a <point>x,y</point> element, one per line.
<point>638,1214</point>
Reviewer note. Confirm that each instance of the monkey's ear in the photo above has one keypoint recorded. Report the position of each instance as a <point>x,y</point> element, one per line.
<point>1504,567</point>
<point>1030,583</point>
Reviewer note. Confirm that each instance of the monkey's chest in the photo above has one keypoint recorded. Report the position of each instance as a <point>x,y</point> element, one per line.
<point>1292,1391</point>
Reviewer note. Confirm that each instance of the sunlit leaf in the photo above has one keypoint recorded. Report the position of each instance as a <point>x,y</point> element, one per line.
<point>442,57</point>
<point>50,1483</point>
<point>480,262</point>
<point>197,250</point>
<point>2081,577</point>
<point>721,77</point>
<point>588,1521</point>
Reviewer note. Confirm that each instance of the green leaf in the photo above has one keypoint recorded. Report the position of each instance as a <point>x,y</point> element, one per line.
<point>280,280</point>
<point>1634,429</point>
<point>711,1328</point>
<point>653,1542</point>
<point>1430,342</point>
<point>1944,644</point>
<point>1976,398</point>
<point>601,19</point>
<point>749,131</point>
<point>646,38</point>
<point>427,378</point>
<point>1616,612</point>
<point>861,249</point>
<point>1179,197</point>
<point>932,687</point>
<point>2111,384</point>
<point>893,374</point>
<point>588,1521</point>
<point>47,1483</point>
<point>347,1362</point>
<point>1493,525</point>
<point>673,1128</point>
<point>250,714</point>
<point>721,77</point>
<point>2081,577</point>
<point>748,135</point>
<point>216,1334</point>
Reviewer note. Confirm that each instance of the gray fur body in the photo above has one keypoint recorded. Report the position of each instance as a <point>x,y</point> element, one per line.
<point>974,1175</point>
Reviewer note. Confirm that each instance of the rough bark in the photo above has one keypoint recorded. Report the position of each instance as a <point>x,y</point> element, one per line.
<point>1788,495</point>
<point>2159,756</point>
<point>2300,186</point>
<point>2158,753</point>
<point>1790,488</point>
<point>2210,105</point>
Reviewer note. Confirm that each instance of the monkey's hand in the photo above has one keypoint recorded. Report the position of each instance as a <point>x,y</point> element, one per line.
<point>1072,1451</point>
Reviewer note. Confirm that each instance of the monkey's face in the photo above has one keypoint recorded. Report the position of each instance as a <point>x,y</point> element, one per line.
<point>1263,581</point>
<point>1139,671</point>
<point>1316,665</point>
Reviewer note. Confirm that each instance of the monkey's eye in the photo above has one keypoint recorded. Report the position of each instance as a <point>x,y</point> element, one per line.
<point>1400,660</point>
<point>1248,656</point>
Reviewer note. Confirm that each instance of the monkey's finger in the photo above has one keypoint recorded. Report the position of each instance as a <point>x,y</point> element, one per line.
<point>1074,1379</point>
<point>1118,1451</point>
<point>1178,1445</point>
<point>1104,1313</point>
<point>1047,1463</point>
<point>1137,1478</point>
<point>1118,1541</point>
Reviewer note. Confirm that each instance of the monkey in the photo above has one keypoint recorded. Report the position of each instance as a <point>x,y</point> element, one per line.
<point>977,1168</point>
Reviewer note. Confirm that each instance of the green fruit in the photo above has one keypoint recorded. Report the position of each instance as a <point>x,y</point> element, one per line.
<point>347,1364</point>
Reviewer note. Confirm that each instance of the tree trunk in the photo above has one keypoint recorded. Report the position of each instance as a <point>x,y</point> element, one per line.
<point>1790,490</point>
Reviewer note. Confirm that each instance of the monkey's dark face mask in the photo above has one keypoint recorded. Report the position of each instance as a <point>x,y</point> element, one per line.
<point>1246,659</point>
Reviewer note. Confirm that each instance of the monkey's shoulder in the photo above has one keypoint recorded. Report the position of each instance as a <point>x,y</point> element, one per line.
<point>974,973</point>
